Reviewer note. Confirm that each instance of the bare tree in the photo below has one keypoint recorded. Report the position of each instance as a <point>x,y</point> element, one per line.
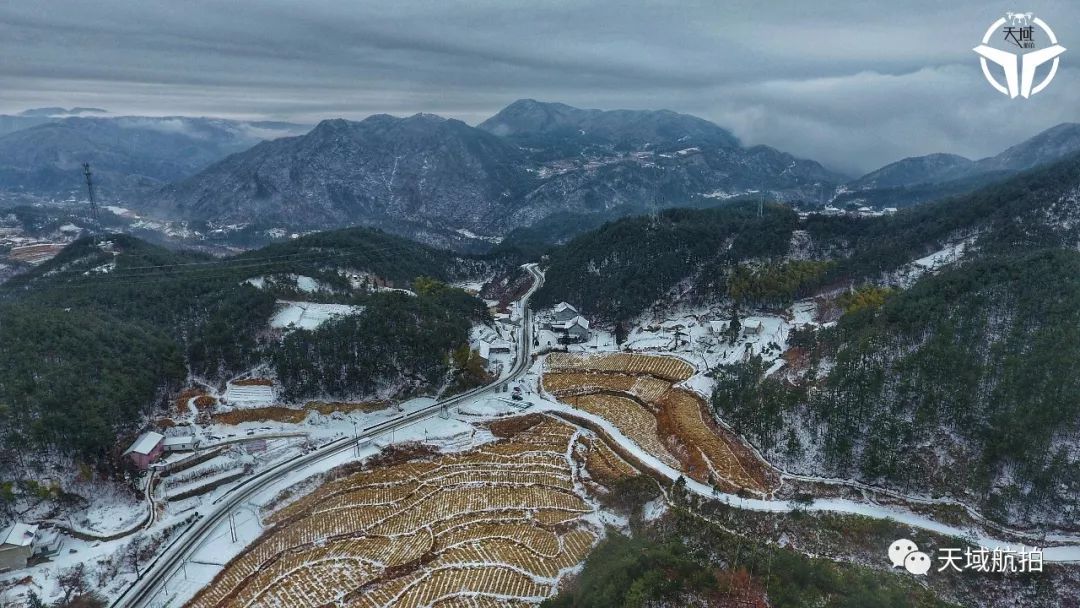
<point>72,581</point>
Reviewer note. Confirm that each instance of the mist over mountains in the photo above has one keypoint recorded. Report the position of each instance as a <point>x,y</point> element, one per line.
<point>527,162</point>
<point>446,182</point>
<point>129,154</point>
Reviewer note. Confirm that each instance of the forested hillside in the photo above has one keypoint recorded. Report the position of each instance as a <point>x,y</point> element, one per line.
<point>618,270</point>
<point>966,382</point>
<point>964,379</point>
<point>103,333</point>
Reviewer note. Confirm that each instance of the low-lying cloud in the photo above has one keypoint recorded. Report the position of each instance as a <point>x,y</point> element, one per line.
<point>851,84</point>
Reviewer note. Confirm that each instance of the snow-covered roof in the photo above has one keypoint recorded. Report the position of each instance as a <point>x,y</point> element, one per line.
<point>501,343</point>
<point>485,350</point>
<point>561,306</point>
<point>19,535</point>
<point>579,320</point>
<point>565,325</point>
<point>180,440</point>
<point>145,443</point>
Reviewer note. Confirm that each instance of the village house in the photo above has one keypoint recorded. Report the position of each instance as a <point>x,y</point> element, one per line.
<point>575,329</point>
<point>753,328</point>
<point>180,443</point>
<point>563,313</point>
<point>501,346</point>
<point>19,542</point>
<point>146,449</point>
<point>578,329</point>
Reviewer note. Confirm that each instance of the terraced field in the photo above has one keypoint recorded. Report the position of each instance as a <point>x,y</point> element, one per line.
<point>633,419</point>
<point>636,394</point>
<point>497,526</point>
<point>671,369</point>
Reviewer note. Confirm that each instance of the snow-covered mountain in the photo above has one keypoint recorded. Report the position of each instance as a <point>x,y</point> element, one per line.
<point>529,161</point>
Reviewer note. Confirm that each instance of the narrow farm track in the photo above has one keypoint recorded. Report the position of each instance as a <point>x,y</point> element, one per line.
<point>669,372</point>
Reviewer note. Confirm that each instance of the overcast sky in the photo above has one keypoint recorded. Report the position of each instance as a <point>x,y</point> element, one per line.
<point>852,84</point>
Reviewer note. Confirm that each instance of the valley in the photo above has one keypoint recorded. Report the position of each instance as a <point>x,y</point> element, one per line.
<point>480,386</point>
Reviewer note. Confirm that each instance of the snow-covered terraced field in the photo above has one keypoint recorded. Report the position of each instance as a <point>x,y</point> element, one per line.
<point>635,393</point>
<point>665,368</point>
<point>249,395</point>
<point>500,524</point>
<point>309,315</point>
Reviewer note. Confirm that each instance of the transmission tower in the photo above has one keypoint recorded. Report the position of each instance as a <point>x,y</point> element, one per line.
<point>90,190</point>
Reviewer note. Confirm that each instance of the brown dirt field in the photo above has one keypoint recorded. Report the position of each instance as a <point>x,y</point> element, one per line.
<point>326,408</point>
<point>184,396</point>
<point>631,418</point>
<point>605,466</point>
<point>667,368</point>
<point>494,523</point>
<point>273,413</point>
<point>280,413</point>
<point>682,431</point>
<point>253,382</point>
<point>508,427</point>
<point>705,448</point>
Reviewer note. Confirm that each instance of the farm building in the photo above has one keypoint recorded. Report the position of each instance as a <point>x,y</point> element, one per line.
<point>180,443</point>
<point>563,313</point>
<point>19,542</point>
<point>576,329</point>
<point>753,328</point>
<point>146,449</point>
<point>499,345</point>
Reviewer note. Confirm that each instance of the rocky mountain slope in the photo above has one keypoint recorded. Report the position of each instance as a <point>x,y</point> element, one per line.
<point>424,174</point>
<point>423,168</point>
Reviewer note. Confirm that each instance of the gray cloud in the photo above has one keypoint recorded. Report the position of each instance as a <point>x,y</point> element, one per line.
<point>852,84</point>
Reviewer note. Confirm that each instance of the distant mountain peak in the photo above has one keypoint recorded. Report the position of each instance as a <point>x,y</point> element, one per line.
<point>1047,146</point>
<point>57,111</point>
<point>529,119</point>
<point>929,168</point>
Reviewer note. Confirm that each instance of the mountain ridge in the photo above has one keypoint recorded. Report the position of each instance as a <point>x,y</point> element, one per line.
<point>454,177</point>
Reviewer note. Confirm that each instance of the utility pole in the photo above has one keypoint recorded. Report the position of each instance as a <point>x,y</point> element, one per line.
<point>90,191</point>
<point>232,526</point>
<point>356,439</point>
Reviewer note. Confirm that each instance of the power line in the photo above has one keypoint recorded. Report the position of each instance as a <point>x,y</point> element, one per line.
<point>90,190</point>
<point>222,268</point>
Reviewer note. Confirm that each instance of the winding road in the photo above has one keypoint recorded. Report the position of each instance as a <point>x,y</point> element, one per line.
<point>143,592</point>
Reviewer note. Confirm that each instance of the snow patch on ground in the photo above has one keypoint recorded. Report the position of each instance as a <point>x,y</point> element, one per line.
<point>309,315</point>
<point>249,395</point>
